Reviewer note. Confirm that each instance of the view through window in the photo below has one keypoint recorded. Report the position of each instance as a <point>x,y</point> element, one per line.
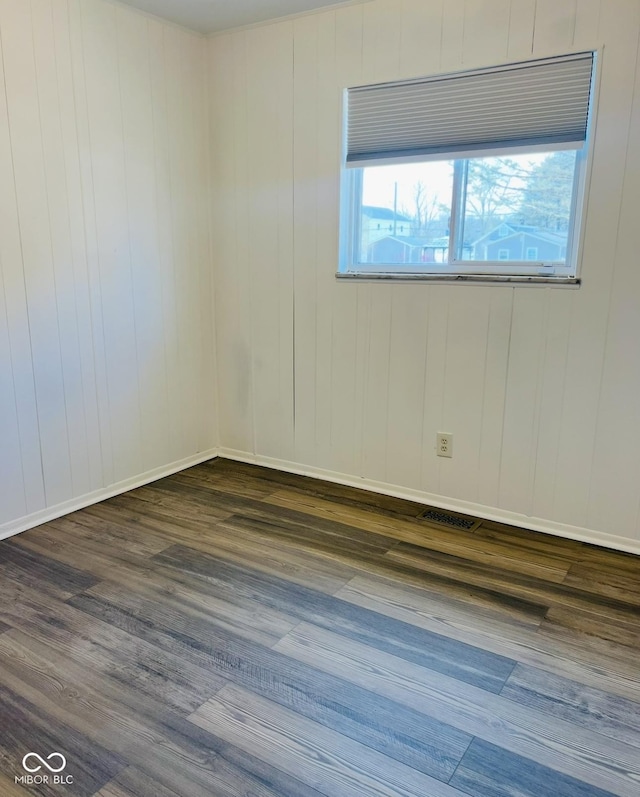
<point>510,209</point>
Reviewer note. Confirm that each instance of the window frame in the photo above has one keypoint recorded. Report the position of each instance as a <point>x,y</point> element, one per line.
<point>455,267</point>
<point>565,272</point>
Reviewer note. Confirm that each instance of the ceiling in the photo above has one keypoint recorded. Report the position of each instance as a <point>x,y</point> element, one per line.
<point>209,16</point>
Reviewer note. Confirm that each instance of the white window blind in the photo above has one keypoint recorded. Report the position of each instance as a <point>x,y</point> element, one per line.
<point>535,103</point>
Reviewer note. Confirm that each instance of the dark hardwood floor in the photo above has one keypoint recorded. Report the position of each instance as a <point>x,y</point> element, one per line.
<point>236,631</point>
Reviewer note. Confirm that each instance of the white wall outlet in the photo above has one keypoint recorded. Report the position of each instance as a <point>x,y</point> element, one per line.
<point>444,444</point>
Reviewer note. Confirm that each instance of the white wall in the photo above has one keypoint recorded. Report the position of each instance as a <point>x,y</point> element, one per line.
<point>106,340</point>
<point>107,355</point>
<point>540,386</point>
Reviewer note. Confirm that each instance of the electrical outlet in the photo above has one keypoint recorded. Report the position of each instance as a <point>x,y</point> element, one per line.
<point>444,444</point>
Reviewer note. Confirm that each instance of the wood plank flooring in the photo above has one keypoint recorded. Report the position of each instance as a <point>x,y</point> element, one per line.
<point>241,632</point>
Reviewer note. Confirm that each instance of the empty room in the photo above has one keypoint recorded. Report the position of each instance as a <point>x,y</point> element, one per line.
<point>319,398</point>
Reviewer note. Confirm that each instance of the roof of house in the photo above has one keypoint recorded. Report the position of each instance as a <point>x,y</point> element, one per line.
<point>551,237</point>
<point>522,229</point>
<point>407,240</point>
<point>519,227</point>
<point>375,212</point>
<point>513,227</point>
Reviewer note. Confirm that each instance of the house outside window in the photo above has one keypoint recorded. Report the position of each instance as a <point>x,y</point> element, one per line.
<point>507,203</point>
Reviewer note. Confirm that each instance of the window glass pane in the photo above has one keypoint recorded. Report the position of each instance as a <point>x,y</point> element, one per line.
<point>518,208</point>
<point>405,213</point>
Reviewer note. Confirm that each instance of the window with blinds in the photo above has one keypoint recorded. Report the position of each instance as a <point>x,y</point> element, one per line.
<point>467,175</point>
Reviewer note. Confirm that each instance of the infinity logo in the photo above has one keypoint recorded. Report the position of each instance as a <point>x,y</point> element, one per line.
<point>43,762</point>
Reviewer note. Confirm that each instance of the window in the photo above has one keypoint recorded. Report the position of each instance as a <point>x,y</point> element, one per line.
<point>470,201</point>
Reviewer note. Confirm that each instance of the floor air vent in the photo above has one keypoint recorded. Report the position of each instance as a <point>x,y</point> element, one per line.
<point>448,519</point>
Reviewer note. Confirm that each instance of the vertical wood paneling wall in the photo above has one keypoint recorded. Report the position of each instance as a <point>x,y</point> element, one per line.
<point>540,387</point>
<point>108,357</point>
<point>106,333</point>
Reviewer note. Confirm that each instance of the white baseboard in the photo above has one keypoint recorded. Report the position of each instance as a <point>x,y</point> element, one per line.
<point>579,533</point>
<point>65,508</point>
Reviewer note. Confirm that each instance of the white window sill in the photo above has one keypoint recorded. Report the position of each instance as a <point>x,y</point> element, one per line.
<point>455,279</point>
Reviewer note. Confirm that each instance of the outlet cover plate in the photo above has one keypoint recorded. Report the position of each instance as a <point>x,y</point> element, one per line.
<point>444,444</point>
